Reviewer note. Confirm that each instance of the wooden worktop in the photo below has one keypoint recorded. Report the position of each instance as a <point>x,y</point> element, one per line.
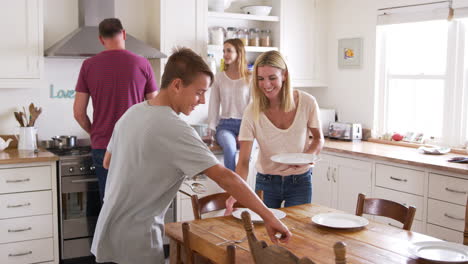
<point>12,156</point>
<point>399,154</point>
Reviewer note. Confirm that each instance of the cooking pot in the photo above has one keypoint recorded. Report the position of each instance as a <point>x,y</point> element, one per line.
<point>63,142</point>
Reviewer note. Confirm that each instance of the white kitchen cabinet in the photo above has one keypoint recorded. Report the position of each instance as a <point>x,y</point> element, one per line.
<point>337,181</point>
<point>28,213</point>
<point>21,48</point>
<point>303,41</point>
<point>178,26</point>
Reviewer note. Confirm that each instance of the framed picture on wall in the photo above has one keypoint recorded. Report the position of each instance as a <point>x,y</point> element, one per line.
<point>350,53</point>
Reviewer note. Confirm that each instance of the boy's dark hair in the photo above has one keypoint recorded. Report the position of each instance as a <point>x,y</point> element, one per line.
<point>110,27</point>
<point>184,64</point>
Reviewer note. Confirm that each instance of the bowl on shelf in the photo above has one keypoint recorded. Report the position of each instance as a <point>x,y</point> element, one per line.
<point>257,10</point>
<point>218,5</point>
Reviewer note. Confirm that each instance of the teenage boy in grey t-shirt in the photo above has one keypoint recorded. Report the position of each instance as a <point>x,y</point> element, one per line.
<point>151,151</point>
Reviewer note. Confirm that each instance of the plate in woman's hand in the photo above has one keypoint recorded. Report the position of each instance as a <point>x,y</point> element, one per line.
<point>295,158</point>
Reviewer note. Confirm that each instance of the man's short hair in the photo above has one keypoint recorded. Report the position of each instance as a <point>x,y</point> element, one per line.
<point>184,64</point>
<point>110,27</point>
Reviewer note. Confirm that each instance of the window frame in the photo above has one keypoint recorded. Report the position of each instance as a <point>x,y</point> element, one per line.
<point>455,100</point>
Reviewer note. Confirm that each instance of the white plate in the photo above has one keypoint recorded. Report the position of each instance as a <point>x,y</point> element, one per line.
<point>254,216</point>
<point>434,150</point>
<point>441,251</point>
<point>338,220</point>
<point>294,158</point>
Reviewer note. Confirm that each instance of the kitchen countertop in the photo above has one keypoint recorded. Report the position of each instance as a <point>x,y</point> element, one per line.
<point>392,153</point>
<point>12,156</point>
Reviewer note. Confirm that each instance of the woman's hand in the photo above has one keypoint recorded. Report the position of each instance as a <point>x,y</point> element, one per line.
<point>230,205</point>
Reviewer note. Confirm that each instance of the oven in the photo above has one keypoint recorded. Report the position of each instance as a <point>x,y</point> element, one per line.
<point>79,202</point>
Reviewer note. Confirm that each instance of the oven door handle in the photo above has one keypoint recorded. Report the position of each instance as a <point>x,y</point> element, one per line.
<point>84,180</point>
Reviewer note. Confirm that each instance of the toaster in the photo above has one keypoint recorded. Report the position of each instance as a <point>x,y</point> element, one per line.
<point>345,131</point>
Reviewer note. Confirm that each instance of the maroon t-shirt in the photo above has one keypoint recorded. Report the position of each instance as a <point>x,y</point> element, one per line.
<point>115,80</point>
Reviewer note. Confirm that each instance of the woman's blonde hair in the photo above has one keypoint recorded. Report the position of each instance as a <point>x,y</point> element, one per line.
<point>241,60</point>
<point>260,102</point>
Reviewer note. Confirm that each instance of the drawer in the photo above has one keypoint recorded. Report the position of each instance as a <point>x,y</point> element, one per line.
<point>33,251</point>
<point>446,214</point>
<point>416,227</point>
<point>449,189</point>
<point>25,179</point>
<point>403,198</point>
<point>25,228</point>
<point>25,204</point>
<point>444,233</point>
<point>400,179</point>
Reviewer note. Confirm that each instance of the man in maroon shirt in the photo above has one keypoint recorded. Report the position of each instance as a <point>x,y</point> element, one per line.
<point>115,79</point>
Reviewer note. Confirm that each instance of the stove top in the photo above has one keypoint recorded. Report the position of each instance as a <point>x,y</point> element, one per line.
<point>76,151</point>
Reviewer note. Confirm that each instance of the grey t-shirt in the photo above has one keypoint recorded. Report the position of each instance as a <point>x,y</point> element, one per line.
<point>153,149</point>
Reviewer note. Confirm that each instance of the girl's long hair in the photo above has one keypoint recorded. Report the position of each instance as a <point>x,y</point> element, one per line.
<point>241,60</point>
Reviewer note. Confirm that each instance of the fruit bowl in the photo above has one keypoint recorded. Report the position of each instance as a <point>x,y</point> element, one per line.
<point>257,10</point>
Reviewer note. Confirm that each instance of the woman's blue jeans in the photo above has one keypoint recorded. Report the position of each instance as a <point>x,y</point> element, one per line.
<point>227,132</point>
<point>293,190</point>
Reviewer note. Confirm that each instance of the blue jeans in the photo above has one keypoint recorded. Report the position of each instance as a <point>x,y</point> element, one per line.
<point>293,190</point>
<point>226,134</point>
<point>101,173</point>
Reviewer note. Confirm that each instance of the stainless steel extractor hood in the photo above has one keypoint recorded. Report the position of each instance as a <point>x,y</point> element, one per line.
<point>84,42</point>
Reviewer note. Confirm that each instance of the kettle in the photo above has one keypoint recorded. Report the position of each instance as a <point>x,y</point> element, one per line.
<point>4,144</point>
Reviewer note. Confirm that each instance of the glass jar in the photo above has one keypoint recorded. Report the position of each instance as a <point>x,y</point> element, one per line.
<point>265,38</point>
<point>254,38</point>
<point>243,35</point>
<point>231,33</point>
<point>217,35</point>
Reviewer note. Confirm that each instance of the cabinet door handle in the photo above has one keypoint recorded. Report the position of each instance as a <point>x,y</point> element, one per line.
<point>20,254</point>
<point>16,181</point>
<point>18,205</point>
<point>333,175</point>
<point>19,230</point>
<point>453,217</point>
<point>84,180</point>
<point>454,191</point>
<point>398,179</point>
<point>328,174</point>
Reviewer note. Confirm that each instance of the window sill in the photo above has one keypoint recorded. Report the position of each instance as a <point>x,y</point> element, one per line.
<point>413,145</point>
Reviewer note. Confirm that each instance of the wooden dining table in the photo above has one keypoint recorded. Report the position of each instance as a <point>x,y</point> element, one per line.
<point>373,243</point>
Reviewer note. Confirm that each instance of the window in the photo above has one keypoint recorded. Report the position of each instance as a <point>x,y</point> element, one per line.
<point>421,82</point>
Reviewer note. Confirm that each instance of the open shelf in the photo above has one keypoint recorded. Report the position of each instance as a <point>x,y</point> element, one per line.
<point>247,48</point>
<point>242,16</point>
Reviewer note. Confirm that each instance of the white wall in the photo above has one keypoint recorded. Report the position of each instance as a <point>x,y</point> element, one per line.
<point>351,91</point>
<point>61,18</point>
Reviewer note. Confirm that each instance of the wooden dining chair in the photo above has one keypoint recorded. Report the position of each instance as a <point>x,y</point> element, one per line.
<point>465,233</point>
<point>274,254</point>
<point>195,253</point>
<point>381,207</point>
<point>213,202</point>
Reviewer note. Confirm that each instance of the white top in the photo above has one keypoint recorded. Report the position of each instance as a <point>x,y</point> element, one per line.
<point>272,140</point>
<point>231,95</point>
<point>153,149</point>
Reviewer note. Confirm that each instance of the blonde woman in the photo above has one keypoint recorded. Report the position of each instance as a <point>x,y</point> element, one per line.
<point>281,119</point>
<point>230,94</point>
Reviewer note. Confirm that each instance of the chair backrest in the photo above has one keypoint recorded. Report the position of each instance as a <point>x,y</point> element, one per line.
<point>264,254</point>
<point>465,233</point>
<point>381,207</point>
<point>193,249</point>
<point>213,202</point>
